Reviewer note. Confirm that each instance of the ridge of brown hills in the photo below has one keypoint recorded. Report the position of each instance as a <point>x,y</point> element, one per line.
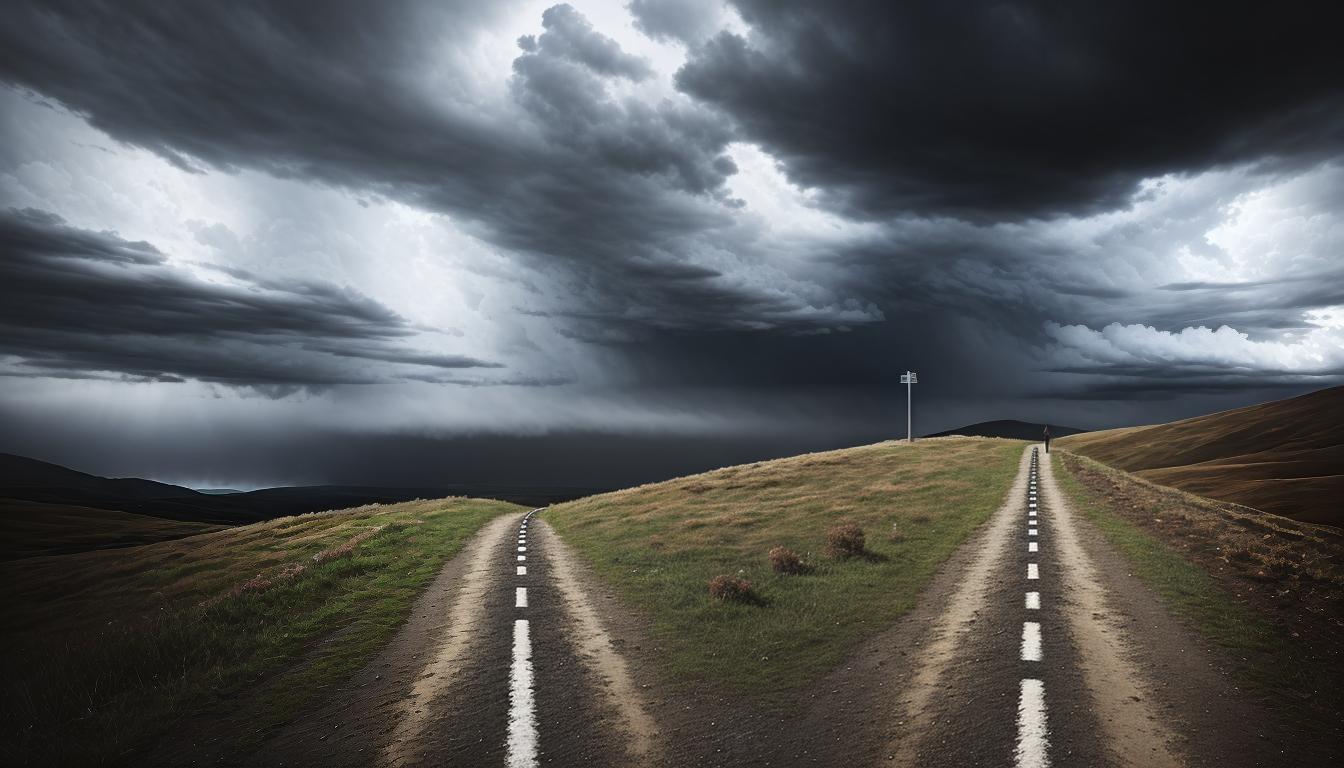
<point>1285,457</point>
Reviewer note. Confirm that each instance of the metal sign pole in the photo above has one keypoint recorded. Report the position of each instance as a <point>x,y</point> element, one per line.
<point>909,379</point>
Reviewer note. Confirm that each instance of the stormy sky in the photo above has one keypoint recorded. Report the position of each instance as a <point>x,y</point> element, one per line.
<point>596,243</point>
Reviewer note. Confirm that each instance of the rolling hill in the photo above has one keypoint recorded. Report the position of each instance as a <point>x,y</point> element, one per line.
<point>106,651</point>
<point>31,529</point>
<point>1009,428</point>
<point>31,480</point>
<point>659,544</point>
<point>1284,457</point>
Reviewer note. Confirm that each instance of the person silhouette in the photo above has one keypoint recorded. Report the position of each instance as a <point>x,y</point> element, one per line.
<point>1047,438</point>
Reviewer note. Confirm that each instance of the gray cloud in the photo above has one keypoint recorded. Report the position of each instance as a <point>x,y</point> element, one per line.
<point>565,174</point>
<point>996,111</point>
<point>79,303</point>
<point>569,36</point>
<point>687,21</point>
<point>979,179</point>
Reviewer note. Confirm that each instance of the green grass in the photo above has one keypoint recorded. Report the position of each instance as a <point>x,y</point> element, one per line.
<point>105,652</point>
<point>660,544</point>
<point>1265,659</point>
<point>1264,588</point>
<point>1185,586</point>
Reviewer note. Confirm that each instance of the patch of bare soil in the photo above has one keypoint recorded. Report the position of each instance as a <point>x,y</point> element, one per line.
<point>594,647</point>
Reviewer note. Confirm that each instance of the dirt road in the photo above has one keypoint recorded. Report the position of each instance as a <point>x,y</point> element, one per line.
<point>1034,646</point>
<point>502,663</point>
<point>1022,672</point>
<point>1042,657</point>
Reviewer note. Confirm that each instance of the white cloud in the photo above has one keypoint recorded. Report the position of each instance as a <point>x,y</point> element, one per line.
<point>1319,350</point>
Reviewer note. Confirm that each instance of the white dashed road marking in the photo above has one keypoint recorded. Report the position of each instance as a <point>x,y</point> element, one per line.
<point>1031,641</point>
<point>521,745</point>
<point>522,741</point>
<point>1032,741</point>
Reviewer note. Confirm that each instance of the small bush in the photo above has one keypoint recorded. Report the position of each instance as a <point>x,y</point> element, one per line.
<point>785,560</point>
<point>348,548</point>
<point>725,587</point>
<point>257,584</point>
<point>844,541</point>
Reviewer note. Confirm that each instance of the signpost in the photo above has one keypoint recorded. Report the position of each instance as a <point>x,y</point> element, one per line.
<point>908,379</point>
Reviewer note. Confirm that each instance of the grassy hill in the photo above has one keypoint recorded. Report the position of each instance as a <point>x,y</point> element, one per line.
<point>31,528</point>
<point>105,651</point>
<point>1285,457</point>
<point>660,545</point>
<point>25,479</point>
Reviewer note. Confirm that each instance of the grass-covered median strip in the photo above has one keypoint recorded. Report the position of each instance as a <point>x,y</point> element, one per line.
<point>109,651</point>
<point>661,544</point>
<point>1265,588</point>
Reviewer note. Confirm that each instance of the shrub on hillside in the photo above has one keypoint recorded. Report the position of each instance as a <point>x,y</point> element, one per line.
<point>348,548</point>
<point>785,560</point>
<point>725,587</point>
<point>844,540</point>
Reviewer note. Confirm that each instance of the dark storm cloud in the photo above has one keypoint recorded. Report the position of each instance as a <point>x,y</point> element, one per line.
<point>564,173</point>
<point>994,110</point>
<point>301,89</point>
<point>920,117</point>
<point>75,303</point>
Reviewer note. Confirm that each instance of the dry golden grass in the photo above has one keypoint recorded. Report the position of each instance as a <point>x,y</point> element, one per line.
<point>1271,561</point>
<point>1285,457</point>
<point>660,545</point>
<point>74,592</point>
<point>103,651</point>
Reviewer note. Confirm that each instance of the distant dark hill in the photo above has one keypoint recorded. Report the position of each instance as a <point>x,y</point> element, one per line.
<point>31,529</point>
<point>1009,428</point>
<point>28,479</point>
<point>1285,457</point>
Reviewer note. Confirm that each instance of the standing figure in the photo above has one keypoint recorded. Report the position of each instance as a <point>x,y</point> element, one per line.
<point>1047,438</point>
